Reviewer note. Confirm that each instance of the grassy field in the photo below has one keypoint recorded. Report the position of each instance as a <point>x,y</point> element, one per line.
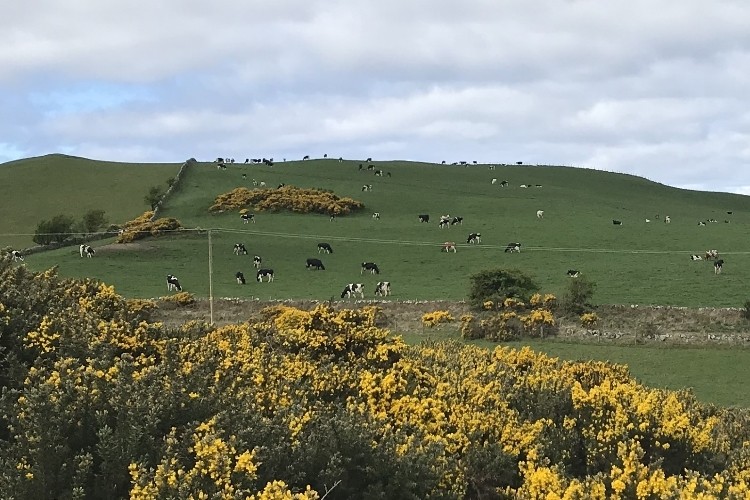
<point>633,263</point>
<point>40,188</point>
<point>638,262</point>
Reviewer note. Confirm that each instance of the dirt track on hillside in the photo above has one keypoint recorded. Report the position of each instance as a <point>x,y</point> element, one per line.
<point>618,324</point>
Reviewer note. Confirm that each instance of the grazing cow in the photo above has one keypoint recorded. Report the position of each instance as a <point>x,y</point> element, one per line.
<point>701,223</point>
<point>573,273</point>
<point>494,181</point>
<point>82,250</point>
<point>173,284</point>
<point>257,261</point>
<point>87,251</point>
<point>367,187</point>
<point>333,218</point>
<point>341,159</point>
<point>369,266</point>
<point>445,221</point>
<point>537,185</point>
<point>474,238</point>
<point>247,218</point>
<point>306,157</point>
<point>17,255</point>
<point>264,273</point>
<point>376,215</point>
<point>457,220</point>
<point>667,220</point>
<point>325,155</point>
<point>325,247</point>
<point>370,167</point>
<point>513,247</point>
<point>730,213</point>
<point>353,289</point>
<point>696,257</point>
<point>448,246</point>
<point>540,214</point>
<point>315,264</point>
<point>504,184</point>
<point>718,265</point>
<point>369,159</point>
<point>712,254</point>
<point>262,184</point>
<point>617,222</point>
<point>239,248</point>
<point>492,167</point>
<point>360,166</point>
<point>379,173</point>
<point>424,218</point>
<point>648,220</point>
<point>240,278</point>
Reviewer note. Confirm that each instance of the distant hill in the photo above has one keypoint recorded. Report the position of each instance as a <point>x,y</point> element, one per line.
<point>40,188</point>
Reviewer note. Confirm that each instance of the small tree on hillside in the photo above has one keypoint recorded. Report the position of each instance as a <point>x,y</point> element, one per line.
<point>499,284</point>
<point>58,229</point>
<point>577,300</point>
<point>155,194</point>
<point>92,221</point>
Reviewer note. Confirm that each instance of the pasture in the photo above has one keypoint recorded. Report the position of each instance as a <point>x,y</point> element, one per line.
<point>637,262</point>
<point>40,188</point>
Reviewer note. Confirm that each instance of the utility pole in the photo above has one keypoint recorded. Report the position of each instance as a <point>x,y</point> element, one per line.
<point>210,279</point>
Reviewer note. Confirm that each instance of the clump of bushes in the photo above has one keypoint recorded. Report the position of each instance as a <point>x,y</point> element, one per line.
<point>182,299</point>
<point>289,198</point>
<point>434,318</point>
<point>142,227</point>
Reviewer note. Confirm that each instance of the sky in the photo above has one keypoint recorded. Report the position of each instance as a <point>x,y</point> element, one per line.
<point>654,88</point>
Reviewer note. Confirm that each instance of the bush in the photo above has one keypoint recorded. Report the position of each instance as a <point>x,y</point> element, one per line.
<point>578,298</point>
<point>58,229</point>
<point>497,285</point>
<point>289,198</point>
<point>434,318</point>
<point>92,221</point>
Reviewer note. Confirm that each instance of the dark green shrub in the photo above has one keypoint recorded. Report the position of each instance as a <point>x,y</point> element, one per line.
<point>498,284</point>
<point>577,299</point>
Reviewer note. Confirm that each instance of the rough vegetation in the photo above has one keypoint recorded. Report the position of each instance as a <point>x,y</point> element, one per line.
<point>291,198</point>
<point>102,404</point>
<point>145,226</point>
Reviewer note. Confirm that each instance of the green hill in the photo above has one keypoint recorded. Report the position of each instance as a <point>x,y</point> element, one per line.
<point>40,188</point>
<point>638,262</point>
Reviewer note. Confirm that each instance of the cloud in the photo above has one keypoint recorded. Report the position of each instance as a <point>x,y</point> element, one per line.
<point>655,90</point>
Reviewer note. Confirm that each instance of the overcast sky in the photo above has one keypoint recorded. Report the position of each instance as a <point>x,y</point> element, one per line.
<point>656,88</point>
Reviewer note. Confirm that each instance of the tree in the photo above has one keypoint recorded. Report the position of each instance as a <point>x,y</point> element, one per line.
<point>58,229</point>
<point>577,300</point>
<point>93,220</point>
<point>498,284</point>
<point>154,196</point>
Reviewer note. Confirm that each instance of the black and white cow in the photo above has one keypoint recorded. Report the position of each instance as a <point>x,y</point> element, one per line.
<point>457,220</point>
<point>474,238</point>
<point>306,157</point>
<point>503,183</point>
<point>264,273</point>
<point>696,257</point>
<point>383,288</point>
<point>325,247</point>
<point>369,266</point>
<point>256,261</point>
<point>315,264</point>
<point>718,266</point>
<point>701,223</point>
<point>445,221</point>
<point>247,218</point>
<point>367,187</point>
<point>513,247</point>
<point>86,251</point>
<point>173,284</point>
<point>424,218</point>
<point>239,248</point>
<point>240,278</point>
<point>376,215</point>
<point>573,273</point>
<point>17,255</point>
<point>712,254</point>
<point>617,222</point>
<point>353,289</point>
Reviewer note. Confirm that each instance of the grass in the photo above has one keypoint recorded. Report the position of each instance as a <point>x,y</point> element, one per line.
<point>633,263</point>
<point>40,188</point>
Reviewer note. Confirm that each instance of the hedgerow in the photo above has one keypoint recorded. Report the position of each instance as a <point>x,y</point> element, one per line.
<point>289,198</point>
<point>101,404</point>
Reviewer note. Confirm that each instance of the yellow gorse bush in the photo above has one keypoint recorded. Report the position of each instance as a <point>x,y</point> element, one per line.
<point>589,319</point>
<point>434,318</point>
<point>293,400</point>
<point>291,198</point>
<point>142,227</point>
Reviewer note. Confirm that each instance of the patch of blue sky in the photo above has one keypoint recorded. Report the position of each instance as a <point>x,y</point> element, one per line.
<point>10,152</point>
<point>88,98</point>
